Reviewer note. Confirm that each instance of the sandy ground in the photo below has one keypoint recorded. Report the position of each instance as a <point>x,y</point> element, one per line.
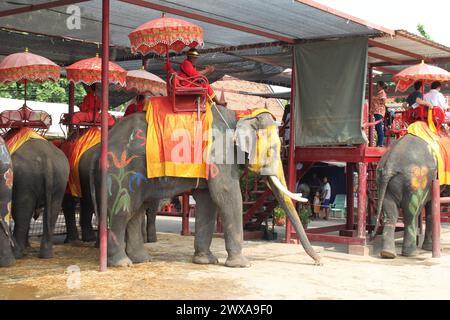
<point>278,271</point>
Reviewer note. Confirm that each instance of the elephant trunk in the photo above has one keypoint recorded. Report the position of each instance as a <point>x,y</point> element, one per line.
<point>289,208</point>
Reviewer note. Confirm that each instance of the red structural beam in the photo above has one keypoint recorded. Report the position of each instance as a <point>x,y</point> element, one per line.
<point>210,20</point>
<point>384,58</point>
<point>104,137</point>
<point>41,6</point>
<point>335,239</point>
<point>411,62</point>
<point>346,16</point>
<point>396,50</point>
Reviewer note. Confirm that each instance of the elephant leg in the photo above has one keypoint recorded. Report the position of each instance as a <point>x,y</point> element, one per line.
<point>205,221</point>
<point>86,212</point>
<point>134,240</point>
<point>116,240</point>
<point>49,222</point>
<point>409,248</point>
<point>390,210</point>
<point>228,198</point>
<point>428,240</point>
<point>68,206</point>
<point>151,221</point>
<point>22,211</point>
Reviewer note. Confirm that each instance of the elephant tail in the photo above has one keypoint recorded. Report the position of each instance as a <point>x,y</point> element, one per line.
<point>48,208</point>
<point>92,187</point>
<point>382,182</point>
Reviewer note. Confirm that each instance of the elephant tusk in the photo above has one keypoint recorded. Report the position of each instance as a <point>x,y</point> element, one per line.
<point>295,196</point>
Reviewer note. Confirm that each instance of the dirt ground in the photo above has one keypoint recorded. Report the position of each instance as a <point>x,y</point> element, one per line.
<point>278,271</point>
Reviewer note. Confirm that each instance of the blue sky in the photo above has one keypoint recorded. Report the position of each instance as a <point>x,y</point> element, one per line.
<point>401,14</point>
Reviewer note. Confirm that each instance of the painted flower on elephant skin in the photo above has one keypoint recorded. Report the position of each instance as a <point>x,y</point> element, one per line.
<point>9,178</point>
<point>419,178</point>
<point>123,161</point>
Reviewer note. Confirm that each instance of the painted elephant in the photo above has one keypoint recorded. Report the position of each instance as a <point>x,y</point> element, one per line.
<point>86,206</point>
<point>40,177</point>
<point>404,177</point>
<point>6,182</point>
<point>130,192</point>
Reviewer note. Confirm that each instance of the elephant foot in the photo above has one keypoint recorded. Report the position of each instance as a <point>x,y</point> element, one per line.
<point>205,258</point>
<point>385,254</point>
<point>71,240</point>
<point>409,253</point>
<point>237,262</point>
<point>139,257</point>
<point>119,260</point>
<point>46,254</point>
<point>8,261</point>
<point>151,239</point>
<point>89,238</point>
<point>427,245</point>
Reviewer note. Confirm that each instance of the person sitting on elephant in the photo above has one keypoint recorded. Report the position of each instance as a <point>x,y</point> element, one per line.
<point>416,98</point>
<point>90,106</point>
<point>435,97</point>
<point>136,106</point>
<point>188,69</point>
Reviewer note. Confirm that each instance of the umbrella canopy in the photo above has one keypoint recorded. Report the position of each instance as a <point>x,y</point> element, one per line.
<point>420,72</point>
<point>163,34</point>
<point>89,71</point>
<point>25,66</point>
<point>144,82</point>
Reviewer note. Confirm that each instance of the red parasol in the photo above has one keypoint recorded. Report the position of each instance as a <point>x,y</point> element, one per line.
<point>144,82</point>
<point>164,34</point>
<point>25,66</point>
<point>420,72</point>
<point>89,71</point>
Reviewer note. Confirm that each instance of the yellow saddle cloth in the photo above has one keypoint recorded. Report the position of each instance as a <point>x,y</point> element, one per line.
<point>74,152</point>
<point>178,145</point>
<point>439,145</point>
<point>19,138</point>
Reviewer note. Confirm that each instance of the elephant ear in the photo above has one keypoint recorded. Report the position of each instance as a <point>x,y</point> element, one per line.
<point>245,135</point>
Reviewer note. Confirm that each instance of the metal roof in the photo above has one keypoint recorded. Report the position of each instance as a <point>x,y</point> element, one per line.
<point>286,20</point>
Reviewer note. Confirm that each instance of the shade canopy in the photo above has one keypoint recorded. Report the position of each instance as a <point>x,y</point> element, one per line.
<point>26,66</point>
<point>144,82</point>
<point>89,71</point>
<point>420,72</point>
<point>165,33</point>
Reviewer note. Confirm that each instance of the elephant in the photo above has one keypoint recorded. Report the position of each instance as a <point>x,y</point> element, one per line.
<point>130,192</point>
<point>404,177</point>
<point>86,206</point>
<point>6,182</point>
<point>40,177</point>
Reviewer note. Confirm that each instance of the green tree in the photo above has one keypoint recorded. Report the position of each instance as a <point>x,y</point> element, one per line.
<point>421,29</point>
<point>47,92</point>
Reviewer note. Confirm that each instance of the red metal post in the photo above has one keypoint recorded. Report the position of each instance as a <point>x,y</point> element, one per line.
<point>291,156</point>
<point>185,215</point>
<point>366,115</point>
<point>362,196</point>
<point>436,219</point>
<point>71,104</point>
<point>350,202</point>
<point>104,138</point>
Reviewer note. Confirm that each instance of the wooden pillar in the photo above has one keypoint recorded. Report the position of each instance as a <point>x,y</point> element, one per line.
<point>291,156</point>
<point>436,218</point>
<point>104,136</point>
<point>350,202</point>
<point>362,196</point>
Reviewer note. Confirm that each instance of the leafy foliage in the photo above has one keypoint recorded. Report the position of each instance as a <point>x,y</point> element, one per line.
<point>421,29</point>
<point>46,92</point>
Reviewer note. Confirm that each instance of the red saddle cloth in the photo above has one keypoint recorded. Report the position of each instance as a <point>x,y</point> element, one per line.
<point>421,114</point>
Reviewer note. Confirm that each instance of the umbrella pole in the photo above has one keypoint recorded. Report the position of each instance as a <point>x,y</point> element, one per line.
<point>25,94</point>
<point>104,137</point>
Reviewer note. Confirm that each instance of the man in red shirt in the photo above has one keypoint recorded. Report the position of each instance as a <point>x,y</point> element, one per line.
<point>91,101</point>
<point>137,106</point>
<point>188,69</point>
